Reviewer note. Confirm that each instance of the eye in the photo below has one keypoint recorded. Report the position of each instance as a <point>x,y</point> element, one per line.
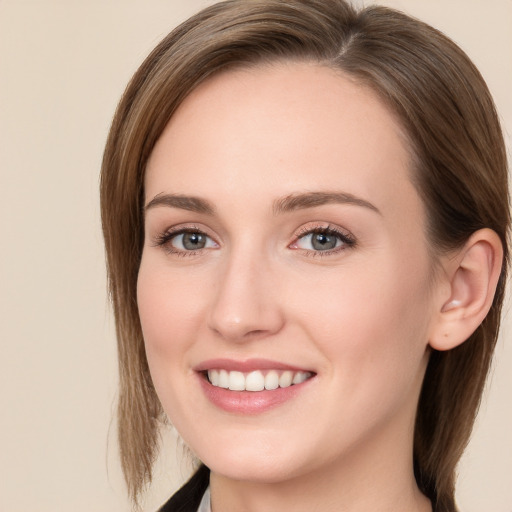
<point>190,241</point>
<point>323,239</point>
<point>185,241</point>
<point>319,241</point>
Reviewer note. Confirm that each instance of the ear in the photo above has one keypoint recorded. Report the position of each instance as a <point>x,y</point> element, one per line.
<point>472,276</point>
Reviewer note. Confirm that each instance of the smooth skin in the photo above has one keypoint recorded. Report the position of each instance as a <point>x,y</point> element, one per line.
<point>247,280</point>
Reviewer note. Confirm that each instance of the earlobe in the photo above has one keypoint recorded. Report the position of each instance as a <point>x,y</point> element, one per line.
<point>473,276</point>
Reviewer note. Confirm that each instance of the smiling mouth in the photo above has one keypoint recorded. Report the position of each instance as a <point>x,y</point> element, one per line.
<point>257,380</point>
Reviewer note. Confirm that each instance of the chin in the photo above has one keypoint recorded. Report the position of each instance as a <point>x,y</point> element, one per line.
<point>262,472</point>
<point>258,461</point>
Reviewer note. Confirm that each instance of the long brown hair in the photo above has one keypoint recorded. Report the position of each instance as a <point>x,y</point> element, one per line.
<point>460,171</point>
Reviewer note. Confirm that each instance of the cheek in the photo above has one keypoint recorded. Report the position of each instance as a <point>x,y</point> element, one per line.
<point>170,307</point>
<point>371,320</point>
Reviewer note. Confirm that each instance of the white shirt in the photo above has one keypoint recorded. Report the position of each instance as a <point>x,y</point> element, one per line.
<point>204,506</point>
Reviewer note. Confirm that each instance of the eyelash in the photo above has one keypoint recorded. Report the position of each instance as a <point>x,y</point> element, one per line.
<point>347,240</point>
<point>164,240</point>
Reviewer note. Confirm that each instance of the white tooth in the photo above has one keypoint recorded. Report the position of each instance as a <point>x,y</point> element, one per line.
<point>223,379</point>
<point>286,379</point>
<point>213,377</point>
<point>300,377</point>
<point>236,381</point>
<point>255,381</point>
<point>272,380</point>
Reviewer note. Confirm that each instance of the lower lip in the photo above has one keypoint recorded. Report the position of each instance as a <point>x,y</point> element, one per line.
<point>250,402</point>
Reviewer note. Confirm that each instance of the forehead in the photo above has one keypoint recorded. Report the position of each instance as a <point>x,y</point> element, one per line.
<point>306,124</point>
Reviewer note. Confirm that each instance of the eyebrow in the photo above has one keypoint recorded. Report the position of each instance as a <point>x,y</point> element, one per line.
<point>190,203</point>
<point>286,204</point>
<point>312,199</point>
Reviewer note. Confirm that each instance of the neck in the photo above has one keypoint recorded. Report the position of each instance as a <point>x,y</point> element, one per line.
<point>302,495</point>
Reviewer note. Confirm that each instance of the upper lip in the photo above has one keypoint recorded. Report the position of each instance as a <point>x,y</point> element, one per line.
<point>246,366</point>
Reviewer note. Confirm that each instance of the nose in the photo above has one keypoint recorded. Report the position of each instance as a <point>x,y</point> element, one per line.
<point>245,304</point>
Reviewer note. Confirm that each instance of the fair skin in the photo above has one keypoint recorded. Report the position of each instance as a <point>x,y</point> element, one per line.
<point>283,234</point>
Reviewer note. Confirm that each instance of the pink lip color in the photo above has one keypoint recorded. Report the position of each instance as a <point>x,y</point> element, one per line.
<point>245,366</point>
<point>247,402</point>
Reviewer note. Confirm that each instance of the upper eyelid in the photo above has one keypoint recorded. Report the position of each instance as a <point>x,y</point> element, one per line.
<point>187,228</point>
<point>166,234</point>
<point>303,230</point>
<point>322,226</point>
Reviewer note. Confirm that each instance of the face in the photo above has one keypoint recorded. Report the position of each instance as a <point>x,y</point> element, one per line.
<point>285,286</point>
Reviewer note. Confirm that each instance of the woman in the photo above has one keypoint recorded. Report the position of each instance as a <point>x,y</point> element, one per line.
<point>305,213</point>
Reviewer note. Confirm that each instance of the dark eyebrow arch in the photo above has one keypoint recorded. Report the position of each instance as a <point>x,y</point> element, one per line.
<point>190,203</point>
<point>313,199</point>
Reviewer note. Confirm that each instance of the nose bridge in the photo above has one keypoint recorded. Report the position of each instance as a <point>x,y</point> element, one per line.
<point>245,302</point>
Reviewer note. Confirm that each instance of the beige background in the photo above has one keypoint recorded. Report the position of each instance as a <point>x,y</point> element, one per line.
<point>63,66</point>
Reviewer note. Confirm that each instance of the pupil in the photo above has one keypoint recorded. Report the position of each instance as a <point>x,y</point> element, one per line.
<point>323,242</point>
<point>193,241</point>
